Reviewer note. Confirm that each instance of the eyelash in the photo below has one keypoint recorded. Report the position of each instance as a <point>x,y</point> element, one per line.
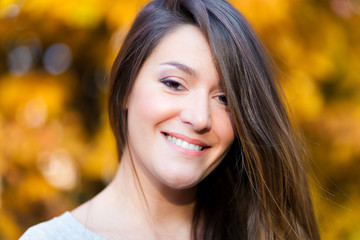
<point>223,101</point>
<point>170,84</point>
<point>179,87</point>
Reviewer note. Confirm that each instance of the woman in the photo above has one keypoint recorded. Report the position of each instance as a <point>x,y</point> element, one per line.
<point>205,145</point>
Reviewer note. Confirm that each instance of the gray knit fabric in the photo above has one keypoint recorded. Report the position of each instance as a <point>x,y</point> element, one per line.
<point>60,228</point>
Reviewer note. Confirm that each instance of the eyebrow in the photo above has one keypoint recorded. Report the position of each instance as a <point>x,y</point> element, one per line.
<point>182,67</point>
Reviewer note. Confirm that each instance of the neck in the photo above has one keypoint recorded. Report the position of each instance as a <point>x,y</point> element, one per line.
<point>154,198</point>
<point>138,201</point>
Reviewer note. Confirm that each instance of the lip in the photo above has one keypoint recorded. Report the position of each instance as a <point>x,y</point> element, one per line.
<point>189,140</point>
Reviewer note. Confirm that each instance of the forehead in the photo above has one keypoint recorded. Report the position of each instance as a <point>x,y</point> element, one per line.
<point>185,44</point>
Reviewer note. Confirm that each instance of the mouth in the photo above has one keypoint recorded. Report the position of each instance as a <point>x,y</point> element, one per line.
<point>185,144</point>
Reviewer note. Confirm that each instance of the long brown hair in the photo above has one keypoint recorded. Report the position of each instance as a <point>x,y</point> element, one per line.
<point>260,190</point>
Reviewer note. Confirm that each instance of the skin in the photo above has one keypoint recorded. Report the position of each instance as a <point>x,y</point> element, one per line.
<point>176,93</point>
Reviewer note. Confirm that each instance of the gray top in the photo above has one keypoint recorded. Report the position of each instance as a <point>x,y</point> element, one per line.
<point>60,228</point>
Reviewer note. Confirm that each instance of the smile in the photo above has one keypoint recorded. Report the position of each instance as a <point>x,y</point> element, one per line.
<point>183,144</point>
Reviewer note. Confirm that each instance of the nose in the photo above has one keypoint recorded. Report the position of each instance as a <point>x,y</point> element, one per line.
<point>196,112</point>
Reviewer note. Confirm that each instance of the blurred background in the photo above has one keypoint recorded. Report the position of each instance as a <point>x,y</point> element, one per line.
<point>56,147</point>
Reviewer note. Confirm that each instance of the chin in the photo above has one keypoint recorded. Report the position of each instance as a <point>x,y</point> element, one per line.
<point>180,181</point>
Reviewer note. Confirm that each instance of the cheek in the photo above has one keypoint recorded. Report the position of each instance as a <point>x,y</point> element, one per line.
<point>149,106</point>
<point>224,128</point>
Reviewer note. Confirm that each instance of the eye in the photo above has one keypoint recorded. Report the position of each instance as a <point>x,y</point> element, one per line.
<point>172,84</point>
<point>222,99</point>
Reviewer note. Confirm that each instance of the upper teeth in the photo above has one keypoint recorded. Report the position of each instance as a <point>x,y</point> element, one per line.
<point>183,144</point>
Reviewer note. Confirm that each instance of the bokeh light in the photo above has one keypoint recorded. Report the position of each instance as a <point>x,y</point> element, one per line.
<point>10,11</point>
<point>57,58</point>
<point>59,169</point>
<point>354,6</point>
<point>20,60</point>
<point>35,112</point>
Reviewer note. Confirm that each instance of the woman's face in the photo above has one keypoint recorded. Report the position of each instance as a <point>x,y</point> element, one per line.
<point>179,125</point>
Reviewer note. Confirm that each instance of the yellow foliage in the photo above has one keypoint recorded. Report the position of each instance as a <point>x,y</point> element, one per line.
<point>101,158</point>
<point>51,122</point>
<point>5,3</point>
<point>8,228</point>
<point>78,13</point>
<point>122,13</point>
<point>303,96</point>
<point>264,12</point>
<point>318,65</point>
<point>17,92</point>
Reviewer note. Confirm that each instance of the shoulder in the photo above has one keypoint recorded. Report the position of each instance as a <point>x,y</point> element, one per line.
<point>59,228</point>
